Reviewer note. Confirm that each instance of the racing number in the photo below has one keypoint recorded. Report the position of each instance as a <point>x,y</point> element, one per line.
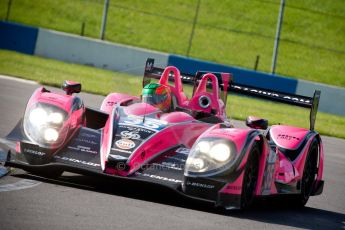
<point>151,124</point>
<point>148,123</point>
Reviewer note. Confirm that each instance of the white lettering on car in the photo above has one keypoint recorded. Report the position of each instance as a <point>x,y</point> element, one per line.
<point>34,152</point>
<point>78,161</point>
<point>159,177</point>
<point>130,135</point>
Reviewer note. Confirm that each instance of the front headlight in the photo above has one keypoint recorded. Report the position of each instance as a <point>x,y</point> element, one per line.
<point>210,154</point>
<point>220,152</point>
<point>44,125</point>
<point>51,135</point>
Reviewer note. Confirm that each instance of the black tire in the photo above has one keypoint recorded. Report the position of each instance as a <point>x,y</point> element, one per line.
<point>308,178</point>
<point>250,177</point>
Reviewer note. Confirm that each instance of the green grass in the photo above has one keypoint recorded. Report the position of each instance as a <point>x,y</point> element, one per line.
<point>229,32</point>
<point>52,72</point>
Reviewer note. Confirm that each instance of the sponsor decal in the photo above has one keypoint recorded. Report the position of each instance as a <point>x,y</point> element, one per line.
<point>296,99</point>
<point>149,65</point>
<point>177,158</point>
<point>130,135</point>
<point>118,157</point>
<point>272,94</point>
<point>181,150</point>
<point>88,135</point>
<point>257,91</point>
<point>78,161</point>
<point>110,103</point>
<point>135,129</point>
<point>200,185</point>
<point>158,177</point>
<point>82,149</point>
<point>171,165</point>
<point>125,144</point>
<point>287,137</point>
<point>87,141</point>
<point>128,138</point>
<point>34,152</point>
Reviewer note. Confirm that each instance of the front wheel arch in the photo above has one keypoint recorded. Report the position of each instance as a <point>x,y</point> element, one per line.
<point>309,175</point>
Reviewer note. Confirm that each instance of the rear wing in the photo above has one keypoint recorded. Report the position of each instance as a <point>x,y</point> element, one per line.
<point>311,103</point>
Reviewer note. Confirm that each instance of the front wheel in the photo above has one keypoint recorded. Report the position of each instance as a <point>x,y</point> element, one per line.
<point>308,178</point>
<point>250,177</point>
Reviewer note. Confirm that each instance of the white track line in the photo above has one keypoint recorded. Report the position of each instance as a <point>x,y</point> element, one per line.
<point>22,184</point>
<point>18,80</point>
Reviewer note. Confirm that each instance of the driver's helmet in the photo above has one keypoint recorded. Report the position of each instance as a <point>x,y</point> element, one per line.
<point>157,95</point>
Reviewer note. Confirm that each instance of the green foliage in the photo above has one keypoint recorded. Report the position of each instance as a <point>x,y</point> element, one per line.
<point>52,72</point>
<point>227,31</point>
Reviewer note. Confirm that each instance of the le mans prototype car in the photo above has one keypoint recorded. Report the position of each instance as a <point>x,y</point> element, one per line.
<point>192,148</point>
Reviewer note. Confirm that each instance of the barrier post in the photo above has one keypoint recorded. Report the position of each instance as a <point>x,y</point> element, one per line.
<point>277,38</point>
<point>82,32</point>
<point>257,62</point>
<point>193,28</point>
<point>104,19</point>
<point>8,9</point>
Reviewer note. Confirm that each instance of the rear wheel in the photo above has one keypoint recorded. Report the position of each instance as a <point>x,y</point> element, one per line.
<point>308,178</point>
<point>250,177</point>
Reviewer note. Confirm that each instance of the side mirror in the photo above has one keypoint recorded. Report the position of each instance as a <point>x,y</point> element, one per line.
<point>256,122</point>
<point>71,87</point>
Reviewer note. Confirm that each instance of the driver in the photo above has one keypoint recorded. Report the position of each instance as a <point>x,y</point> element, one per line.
<point>157,95</point>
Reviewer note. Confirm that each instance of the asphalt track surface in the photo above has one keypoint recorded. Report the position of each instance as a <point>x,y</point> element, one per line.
<point>80,202</point>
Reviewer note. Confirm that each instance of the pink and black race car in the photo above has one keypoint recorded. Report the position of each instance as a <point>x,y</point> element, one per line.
<point>192,149</point>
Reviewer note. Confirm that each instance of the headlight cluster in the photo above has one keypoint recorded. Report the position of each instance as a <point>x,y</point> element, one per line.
<point>44,124</point>
<point>210,154</point>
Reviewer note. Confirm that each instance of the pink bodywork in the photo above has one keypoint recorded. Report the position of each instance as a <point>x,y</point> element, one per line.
<point>181,129</point>
<point>216,103</point>
<point>283,170</point>
<point>75,119</point>
<point>116,98</point>
<point>174,135</point>
<point>288,137</point>
<point>62,101</point>
<point>141,108</point>
<point>291,138</point>
<point>177,89</point>
<point>239,137</point>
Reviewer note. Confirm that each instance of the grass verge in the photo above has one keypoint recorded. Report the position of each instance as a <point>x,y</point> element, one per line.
<point>98,81</point>
<point>228,32</point>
